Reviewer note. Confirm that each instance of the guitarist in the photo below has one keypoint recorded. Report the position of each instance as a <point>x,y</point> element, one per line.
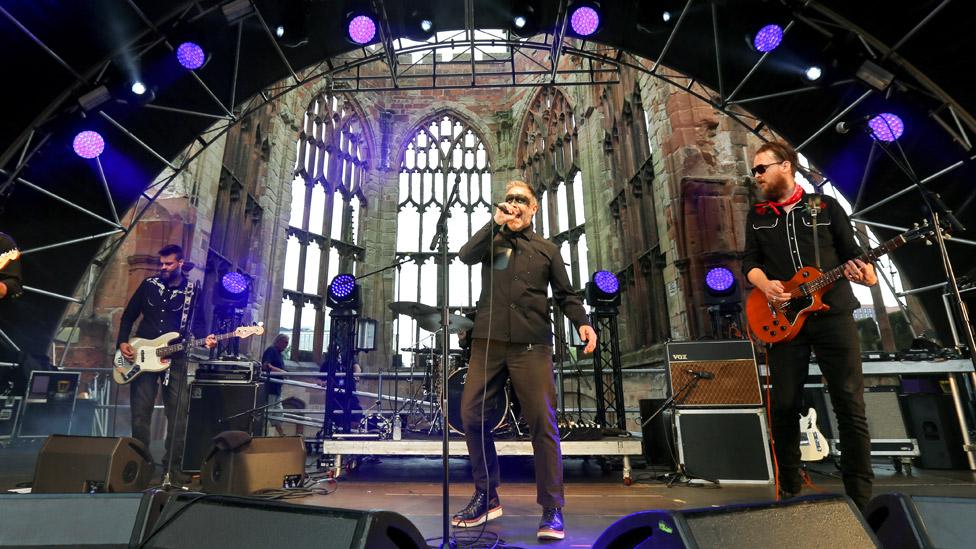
<point>166,304</point>
<point>10,286</point>
<point>779,242</point>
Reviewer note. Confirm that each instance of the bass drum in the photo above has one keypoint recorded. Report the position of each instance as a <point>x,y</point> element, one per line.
<point>495,408</point>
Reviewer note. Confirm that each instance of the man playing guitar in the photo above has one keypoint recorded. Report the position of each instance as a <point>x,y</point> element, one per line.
<point>166,304</point>
<point>780,236</point>
<point>9,268</point>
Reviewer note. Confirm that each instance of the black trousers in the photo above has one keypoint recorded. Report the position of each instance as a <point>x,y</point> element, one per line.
<point>833,337</point>
<point>142,399</point>
<point>530,369</point>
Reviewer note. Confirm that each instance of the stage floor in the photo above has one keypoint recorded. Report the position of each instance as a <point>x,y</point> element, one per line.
<point>595,497</point>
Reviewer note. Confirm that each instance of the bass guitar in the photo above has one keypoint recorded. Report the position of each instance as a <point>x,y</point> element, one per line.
<point>778,322</point>
<point>8,256</point>
<point>151,354</point>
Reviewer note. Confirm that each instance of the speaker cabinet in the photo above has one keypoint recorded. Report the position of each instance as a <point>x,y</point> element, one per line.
<point>263,463</point>
<point>657,438</point>
<point>73,520</point>
<point>73,464</point>
<point>802,523</point>
<point>211,404</point>
<point>730,369</point>
<point>932,422</point>
<point>190,521</point>
<point>731,446</point>
<point>889,435</point>
<point>909,522</point>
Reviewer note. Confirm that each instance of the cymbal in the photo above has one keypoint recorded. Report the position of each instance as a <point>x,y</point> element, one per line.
<point>455,323</point>
<point>412,309</point>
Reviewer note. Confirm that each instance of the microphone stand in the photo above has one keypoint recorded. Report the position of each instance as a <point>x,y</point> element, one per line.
<point>440,243</point>
<point>939,214</point>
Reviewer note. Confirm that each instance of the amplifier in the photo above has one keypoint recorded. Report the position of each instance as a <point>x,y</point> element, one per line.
<point>889,434</point>
<point>212,410</point>
<point>228,371</point>
<point>726,372</point>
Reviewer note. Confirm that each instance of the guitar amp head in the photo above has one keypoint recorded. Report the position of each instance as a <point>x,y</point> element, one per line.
<point>725,370</point>
<point>228,371</point>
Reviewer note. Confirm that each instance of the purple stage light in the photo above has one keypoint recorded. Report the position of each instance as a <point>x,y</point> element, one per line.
<point>88,144</point>
<point>362,29</point>
<point>342,286</point>
<point>768,38</point>
<point>606,282</point>
<point>234,283</point>
<point>886,127</point>
<point>719,279</point>
<point>190,55</point>
<point>584,20</point>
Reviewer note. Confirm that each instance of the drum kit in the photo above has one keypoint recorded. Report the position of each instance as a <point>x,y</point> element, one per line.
<point>422,408</point>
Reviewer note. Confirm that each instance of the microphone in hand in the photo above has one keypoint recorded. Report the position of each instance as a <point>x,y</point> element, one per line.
<point>701,374</point>
<point>504,208</point>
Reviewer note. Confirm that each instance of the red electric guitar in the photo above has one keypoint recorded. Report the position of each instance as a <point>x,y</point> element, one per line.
<point>8,256</point>
<point>778,322</point>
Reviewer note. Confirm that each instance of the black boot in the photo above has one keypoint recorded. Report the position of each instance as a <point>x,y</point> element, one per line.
<point>551,525</point>
<point>480,510</point>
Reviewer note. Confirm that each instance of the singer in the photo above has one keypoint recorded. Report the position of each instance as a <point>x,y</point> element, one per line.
<point>779,242</point>
<point>512,338</point>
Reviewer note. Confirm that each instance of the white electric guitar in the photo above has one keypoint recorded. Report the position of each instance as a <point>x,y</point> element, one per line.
<point>813,445</point>
<point>151,353</point>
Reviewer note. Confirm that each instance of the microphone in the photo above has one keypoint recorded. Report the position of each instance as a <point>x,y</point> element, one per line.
<point>701,374</point>
<point>861,123</point>
<point>503,207</point>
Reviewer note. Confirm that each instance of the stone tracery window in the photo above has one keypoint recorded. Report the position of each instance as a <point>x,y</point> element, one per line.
<point>443,149</point>
<point>323,230</point>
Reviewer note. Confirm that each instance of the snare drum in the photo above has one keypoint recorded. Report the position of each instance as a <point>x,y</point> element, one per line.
<point>495,408</point>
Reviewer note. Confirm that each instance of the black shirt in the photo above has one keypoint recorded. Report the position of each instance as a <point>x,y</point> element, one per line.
<point>161,307</point>
<point>10,275</point>
<point>524,266</point>
<point>273,357</point>
<point>782,244</point>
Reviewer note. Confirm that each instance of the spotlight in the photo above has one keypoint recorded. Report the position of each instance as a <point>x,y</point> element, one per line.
<point>138,88</point>
<point>191,55</point>
<point>603,291</point>
<point>361,27</point>
<point>666,16</point>
<point>280,31</point>
<point>426,25</point>
<point>886,127</point>
<point>768,38</point>
<point>233,290</point>
<point>88,144</point>
<point>519,21</point>
<point>343,292</point>
<point>524,18</point>
<point>813,73</point>
<point>419,23</point>
<point>584,18</point>
<point>720,286</point>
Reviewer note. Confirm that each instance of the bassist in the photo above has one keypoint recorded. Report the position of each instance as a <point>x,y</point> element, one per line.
<point>780,234</point>
<point>166,304</point>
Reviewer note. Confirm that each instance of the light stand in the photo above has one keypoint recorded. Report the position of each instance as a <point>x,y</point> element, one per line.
<point>440,243</point>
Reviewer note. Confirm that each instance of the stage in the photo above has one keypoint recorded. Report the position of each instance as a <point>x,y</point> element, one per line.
<point>595,496</point>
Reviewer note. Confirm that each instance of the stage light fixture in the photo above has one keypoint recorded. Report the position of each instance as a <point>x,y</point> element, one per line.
<point>768,38</point>
<point>524,21</point>
<point>603,291</point>
<point>233,290</point>
<point>419,23</point>
<point>235,10</point>
<point>343,292</point>
<point>874,75</point>
<point>94,98</point>
<point>666,16</point>
<point>361,27</point>
<point>720,286</point>
<point>886,127</point>
<point>813,73</point>
<point>280,31</point>
<point>88,144</point>
<point>584,18</point>
<point>519,21</point>
<point>235,283</point>
<point>190,55</point>
<point>138,87</point>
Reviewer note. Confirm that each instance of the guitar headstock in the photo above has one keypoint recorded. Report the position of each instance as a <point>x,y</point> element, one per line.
<point>10,255</point>
<point>925,231</point>
<point>248,331</point>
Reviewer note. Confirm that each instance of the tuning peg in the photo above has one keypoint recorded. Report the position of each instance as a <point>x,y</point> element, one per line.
<point>928,242</point>
<point>915,225</point>
<point>925,223</point>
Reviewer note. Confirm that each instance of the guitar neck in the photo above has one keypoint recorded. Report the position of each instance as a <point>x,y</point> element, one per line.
<point>835,274</point>
<point>177,347</point>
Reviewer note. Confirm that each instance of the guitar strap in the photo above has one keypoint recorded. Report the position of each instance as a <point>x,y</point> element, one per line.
<point>187,307</point>
<point>813,202</point>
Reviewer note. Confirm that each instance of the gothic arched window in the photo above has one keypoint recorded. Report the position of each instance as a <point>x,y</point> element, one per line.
<point>444,150</point>
<point>326,208</point>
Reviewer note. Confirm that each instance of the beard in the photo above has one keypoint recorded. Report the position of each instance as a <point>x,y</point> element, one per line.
<point>166,276</point>
<point>776,190</point>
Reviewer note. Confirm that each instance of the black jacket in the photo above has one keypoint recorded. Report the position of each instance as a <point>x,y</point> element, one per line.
<point>782,244</point>
<point>514,285</point>
<point>161,308</point>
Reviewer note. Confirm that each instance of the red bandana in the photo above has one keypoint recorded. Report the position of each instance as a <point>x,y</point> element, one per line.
<point>775,206</point>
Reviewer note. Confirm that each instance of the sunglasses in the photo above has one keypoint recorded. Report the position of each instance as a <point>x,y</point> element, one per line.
<point>517,199</point>
<point>761,169</point>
